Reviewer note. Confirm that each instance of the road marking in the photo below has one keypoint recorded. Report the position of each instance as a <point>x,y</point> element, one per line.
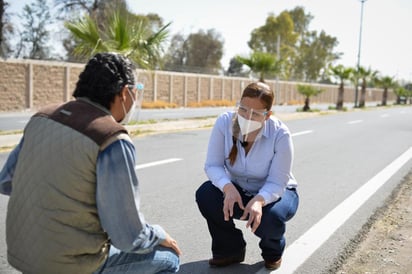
<point>302,133</point>
<point>156,163</point>
<point>355,122</point>
<point>300,250</point>
<point>384,115</point>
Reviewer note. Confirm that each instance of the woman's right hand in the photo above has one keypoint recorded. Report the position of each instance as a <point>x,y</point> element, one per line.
<point>171,243</point>
<point>232,196</point>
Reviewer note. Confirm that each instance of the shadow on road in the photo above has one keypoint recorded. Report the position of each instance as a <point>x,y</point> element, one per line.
<point>202,267</point>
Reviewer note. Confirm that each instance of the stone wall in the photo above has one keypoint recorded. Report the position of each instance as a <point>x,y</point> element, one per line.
<point>30,84</point>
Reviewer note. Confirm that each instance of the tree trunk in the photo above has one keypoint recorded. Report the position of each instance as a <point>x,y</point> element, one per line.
<point>384,96</point>
<point>306,107</point>
<point>339,103</point>
<point>362,97</point>
<point>2,11</point>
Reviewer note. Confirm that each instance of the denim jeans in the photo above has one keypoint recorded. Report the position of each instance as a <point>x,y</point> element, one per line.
<point>160,260</point>
<point>227,240</point>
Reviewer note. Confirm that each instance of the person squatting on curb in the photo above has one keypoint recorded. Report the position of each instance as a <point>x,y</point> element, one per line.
<point>74,200</point>
<point>249,163</point>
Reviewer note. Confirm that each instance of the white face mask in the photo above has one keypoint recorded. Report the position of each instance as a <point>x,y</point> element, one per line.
<point>128,115</point>
<point>248,126</point>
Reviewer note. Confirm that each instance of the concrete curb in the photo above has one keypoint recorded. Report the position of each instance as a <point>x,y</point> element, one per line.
<point>9,140</point>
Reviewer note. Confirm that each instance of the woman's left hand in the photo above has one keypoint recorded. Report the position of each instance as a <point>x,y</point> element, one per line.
<point>254,210</point>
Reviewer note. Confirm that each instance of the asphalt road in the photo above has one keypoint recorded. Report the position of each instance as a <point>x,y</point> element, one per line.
<point>336,157</point>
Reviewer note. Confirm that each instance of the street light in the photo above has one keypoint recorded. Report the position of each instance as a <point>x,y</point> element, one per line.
<point>359,51</point>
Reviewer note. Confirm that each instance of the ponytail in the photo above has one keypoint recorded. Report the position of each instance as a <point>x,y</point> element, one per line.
<point>235,131</point>
<point>233,152</point>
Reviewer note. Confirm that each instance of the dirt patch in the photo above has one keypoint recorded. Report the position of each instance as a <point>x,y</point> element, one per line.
<point>385,244</point>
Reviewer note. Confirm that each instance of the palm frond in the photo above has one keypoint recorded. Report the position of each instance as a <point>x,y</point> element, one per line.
<point>118,33</point>
<point>134,39</point>
<point>86,32</point>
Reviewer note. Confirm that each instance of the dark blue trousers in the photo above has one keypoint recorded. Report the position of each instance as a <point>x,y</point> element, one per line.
<point>227,240</point>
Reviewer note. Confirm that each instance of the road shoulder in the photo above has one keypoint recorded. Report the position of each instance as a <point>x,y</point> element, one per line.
<point>385,243</point>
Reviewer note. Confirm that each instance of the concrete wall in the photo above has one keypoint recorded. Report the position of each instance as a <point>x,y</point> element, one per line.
<point>30,84</point>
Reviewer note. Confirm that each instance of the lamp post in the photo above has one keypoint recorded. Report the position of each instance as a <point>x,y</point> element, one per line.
<point>277,73</point>
<point>359,52</point>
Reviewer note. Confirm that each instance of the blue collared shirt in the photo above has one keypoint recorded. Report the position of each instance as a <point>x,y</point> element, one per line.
<point>117,197</point>
<point>266,169</point>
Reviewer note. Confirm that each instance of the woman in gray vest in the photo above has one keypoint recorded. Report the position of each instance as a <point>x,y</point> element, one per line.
<point>74,200</point>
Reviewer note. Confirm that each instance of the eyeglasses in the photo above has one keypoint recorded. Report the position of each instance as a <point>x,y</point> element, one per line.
<point>251,113</point>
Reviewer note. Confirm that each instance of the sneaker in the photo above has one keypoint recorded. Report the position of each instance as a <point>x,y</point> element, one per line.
<point>225,261</point>
<point>273,264</point>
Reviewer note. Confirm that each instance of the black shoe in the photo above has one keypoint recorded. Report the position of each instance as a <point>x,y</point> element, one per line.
<point>225,261</point>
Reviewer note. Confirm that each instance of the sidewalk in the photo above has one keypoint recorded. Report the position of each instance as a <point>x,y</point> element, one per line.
<point>10,140</point>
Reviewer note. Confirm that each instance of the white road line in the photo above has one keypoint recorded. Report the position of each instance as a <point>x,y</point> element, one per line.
<point>156,163</point>
<point>302,133</point>
<point>300,250</point>
<point>355,122</point>
<point>384,115</point>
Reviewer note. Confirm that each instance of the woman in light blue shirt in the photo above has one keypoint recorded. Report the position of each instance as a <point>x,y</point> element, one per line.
<point>249,163</point>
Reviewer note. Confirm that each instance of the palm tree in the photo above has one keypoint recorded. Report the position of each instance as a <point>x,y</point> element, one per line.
<point>386,83</point>
<point>262,63</point>
<point>123,35</point>
<point>308,91</point>
<point>343,74</point>
<point>401,92</point>
<point>368,76</point>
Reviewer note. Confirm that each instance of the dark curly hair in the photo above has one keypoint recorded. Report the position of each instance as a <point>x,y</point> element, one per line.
<point>104,77</point>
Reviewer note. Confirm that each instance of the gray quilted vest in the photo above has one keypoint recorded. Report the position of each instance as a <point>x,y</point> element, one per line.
<point>52,223</point>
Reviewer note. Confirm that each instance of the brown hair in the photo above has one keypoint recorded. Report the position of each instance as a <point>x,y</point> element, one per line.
<point>254,90</point>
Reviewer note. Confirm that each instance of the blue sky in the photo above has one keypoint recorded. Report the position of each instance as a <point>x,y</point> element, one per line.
<point>386,41</point>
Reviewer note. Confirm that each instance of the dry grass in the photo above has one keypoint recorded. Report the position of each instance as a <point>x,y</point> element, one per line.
<point>158,104</point>
<point>5,149</point>
<point>10,132</point>
<point>206,103</point>
<point>212,103</point>
<point>294,102</point>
